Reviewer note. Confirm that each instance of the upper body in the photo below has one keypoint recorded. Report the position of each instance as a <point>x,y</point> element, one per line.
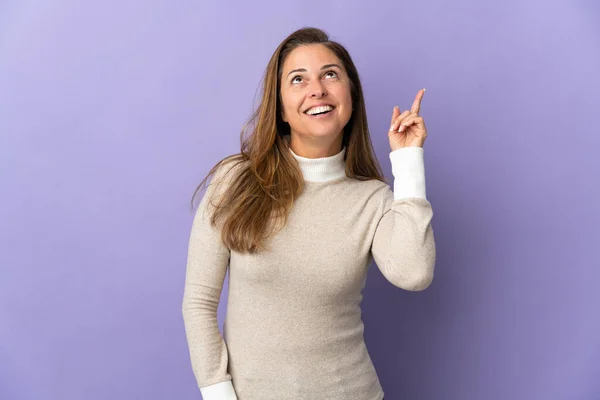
<point>293,328</point>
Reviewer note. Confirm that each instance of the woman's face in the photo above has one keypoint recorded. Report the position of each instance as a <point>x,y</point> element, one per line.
<point>315,94</point>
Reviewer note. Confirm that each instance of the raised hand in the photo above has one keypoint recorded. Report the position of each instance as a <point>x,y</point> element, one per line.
<point>408,128</point>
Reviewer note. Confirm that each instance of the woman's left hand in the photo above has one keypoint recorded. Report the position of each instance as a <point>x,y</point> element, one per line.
<point>408,128</point>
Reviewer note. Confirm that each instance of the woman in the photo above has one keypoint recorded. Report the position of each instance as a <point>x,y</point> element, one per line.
<point>297,217</point>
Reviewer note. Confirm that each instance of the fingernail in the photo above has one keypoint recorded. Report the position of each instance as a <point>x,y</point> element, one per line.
<point>424,89</point>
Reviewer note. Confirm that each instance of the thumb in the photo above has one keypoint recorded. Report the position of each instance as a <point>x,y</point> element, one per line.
<point>395,114</point>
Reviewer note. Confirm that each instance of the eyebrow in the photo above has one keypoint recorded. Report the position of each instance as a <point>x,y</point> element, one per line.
<point>322,68</point>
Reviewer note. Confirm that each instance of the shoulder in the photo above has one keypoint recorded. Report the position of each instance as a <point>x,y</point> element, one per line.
<point>373,187</point>
<point>368,194</point>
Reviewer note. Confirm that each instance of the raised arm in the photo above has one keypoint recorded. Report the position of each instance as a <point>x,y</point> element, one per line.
<point>403,246</point>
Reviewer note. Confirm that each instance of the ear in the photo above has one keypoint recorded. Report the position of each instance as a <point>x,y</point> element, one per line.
<point>283,117</point>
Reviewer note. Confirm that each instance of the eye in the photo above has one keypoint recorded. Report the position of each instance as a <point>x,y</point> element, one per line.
<point>296,79</point>
<point>331,74</point>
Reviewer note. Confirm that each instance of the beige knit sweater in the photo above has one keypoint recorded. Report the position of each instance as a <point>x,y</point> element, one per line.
<point>293,329</point>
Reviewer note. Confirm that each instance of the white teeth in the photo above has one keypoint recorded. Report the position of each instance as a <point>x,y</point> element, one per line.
<point>317,110</point>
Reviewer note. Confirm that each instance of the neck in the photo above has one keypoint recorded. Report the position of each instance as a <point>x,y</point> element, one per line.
<point>315,148</point>
<point>322,169</point>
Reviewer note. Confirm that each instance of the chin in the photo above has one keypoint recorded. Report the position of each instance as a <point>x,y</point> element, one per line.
<point>324,132</point>
<point>323,135</point>
<point>328,133</point>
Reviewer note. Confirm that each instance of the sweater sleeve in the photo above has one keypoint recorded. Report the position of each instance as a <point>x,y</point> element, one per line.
<point>207,263</point>
<point>403,246</point>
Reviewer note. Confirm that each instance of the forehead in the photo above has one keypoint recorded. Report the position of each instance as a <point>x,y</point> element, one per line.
<point>311,56</point>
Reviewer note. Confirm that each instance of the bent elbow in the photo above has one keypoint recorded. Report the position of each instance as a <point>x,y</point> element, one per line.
<point>420,283</point>
<point>413,277</point>
<point>420,279</point>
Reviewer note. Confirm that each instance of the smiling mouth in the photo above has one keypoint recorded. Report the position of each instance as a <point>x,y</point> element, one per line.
<point>320,110</point>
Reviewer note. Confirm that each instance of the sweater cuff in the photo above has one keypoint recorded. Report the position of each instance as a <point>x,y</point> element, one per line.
<point>219,391</point>
<point>408,168</point>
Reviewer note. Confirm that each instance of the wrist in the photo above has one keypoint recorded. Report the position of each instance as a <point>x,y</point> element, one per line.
<point>412,144</point>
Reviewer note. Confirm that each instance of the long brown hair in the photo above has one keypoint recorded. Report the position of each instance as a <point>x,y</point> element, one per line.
<point>267,177</point>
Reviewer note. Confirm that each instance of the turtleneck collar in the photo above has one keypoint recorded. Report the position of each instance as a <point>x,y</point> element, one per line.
<point>322,169</point>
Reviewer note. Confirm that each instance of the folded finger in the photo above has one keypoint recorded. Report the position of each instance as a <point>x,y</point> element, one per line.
<point>408,122</point>
<point>399,120</point>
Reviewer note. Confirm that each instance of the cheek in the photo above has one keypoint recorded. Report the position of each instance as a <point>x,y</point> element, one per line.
<point>342,93</point>
<point>346,100</point>
<point>290,103</point>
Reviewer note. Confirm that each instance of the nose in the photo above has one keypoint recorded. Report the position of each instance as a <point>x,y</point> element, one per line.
<point>317,89</point>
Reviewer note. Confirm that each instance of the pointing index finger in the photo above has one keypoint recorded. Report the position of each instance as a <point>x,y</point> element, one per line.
<point>416,106</point>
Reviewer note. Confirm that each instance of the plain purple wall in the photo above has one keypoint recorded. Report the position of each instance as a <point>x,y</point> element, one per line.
<point>111,112</point>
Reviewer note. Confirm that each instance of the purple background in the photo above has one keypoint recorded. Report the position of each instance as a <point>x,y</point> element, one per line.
<point>112,112</point>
